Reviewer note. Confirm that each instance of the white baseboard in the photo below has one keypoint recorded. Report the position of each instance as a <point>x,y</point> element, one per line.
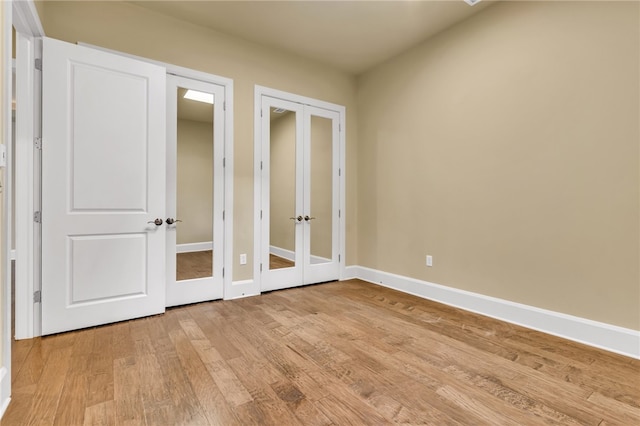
<point>612,338</point>
<point>290,255</point>
<point>5,390</point>
<point>283,253</point>
<point>350,272</point>
<point>241,289</point>
<point>191,247</point>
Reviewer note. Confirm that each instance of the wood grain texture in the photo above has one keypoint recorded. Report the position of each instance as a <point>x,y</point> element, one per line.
<point>330,354</point>
<point>196,264</point>
<point>277,262</point>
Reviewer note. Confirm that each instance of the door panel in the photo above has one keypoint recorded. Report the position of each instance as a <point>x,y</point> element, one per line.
<point>282,157</point>
<point>95,170</point>
<point>321,198</point>
<point>195,182</point>
<point>107,267</point>
<point>103,181</point>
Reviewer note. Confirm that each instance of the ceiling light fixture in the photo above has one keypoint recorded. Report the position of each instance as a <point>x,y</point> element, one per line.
<point>472,2</point>
<point>194,95</point>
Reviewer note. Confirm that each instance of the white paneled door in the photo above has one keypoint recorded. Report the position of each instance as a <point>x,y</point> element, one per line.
<point>103,187</point>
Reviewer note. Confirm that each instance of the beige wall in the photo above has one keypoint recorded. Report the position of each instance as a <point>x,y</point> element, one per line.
<point>507,148</point>
<point>194,182</point>
<point>128,28</point>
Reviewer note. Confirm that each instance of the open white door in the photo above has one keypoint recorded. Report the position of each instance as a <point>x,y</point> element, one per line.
<point>103,186</point>
<point>195,190</point>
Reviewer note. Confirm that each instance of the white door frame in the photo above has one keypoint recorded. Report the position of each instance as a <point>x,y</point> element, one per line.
<point>27,238</point>
<point>5,250</point>
<point>254,286</point>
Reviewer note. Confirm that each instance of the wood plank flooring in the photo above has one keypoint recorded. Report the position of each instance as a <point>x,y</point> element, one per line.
<point>347,353</point>
<point>195,264</point>
<point>277,262</point>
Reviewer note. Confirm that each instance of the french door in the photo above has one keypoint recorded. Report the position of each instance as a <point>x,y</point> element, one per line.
<point>300,194</point>
<point>103,187</point>
<point>195,191</point>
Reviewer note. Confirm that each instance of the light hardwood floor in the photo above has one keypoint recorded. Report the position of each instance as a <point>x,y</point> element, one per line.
<point>332,354</point>
<point>277,262</point>
<point>195,264</point>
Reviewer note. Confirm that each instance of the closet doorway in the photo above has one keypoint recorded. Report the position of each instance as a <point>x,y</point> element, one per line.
<point>195,191</point>
<point>300,186</point>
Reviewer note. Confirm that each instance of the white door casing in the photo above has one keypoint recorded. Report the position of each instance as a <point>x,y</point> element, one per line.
<point>307,268</point>
<point>209,288</point>
<point>103,180</point>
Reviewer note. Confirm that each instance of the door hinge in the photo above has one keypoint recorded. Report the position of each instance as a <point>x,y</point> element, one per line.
<point>339,257</point>
<point>224,162</point>
<point>38,64</point>
<point>37,142</point>
<point>222,272</point>
<point>260,113</point>
<point>339,213</point>
<point>224,106</point>
<point>261,165</point>
<point>37,296</point>
<point>260,214</point>
<point>261,267</point>
<point>339,172</point>
<point>339,127</point>
<point>223,214</point>
<point>37,217</point>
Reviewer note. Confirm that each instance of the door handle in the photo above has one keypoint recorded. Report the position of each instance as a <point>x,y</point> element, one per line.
<point>299,218</point>
<point>156,222</point>
<point>307,218</point>
<point>171,221</point>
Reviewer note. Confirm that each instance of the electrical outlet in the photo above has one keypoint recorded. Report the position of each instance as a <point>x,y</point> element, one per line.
<point>429,260</point>
<point>243,259</point>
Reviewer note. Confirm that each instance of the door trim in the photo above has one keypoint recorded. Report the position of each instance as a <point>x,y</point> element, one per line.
<point>250,287</point>
<point>27,238</point>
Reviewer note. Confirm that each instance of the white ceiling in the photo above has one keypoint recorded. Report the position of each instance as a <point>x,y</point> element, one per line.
<point>350,35</point>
